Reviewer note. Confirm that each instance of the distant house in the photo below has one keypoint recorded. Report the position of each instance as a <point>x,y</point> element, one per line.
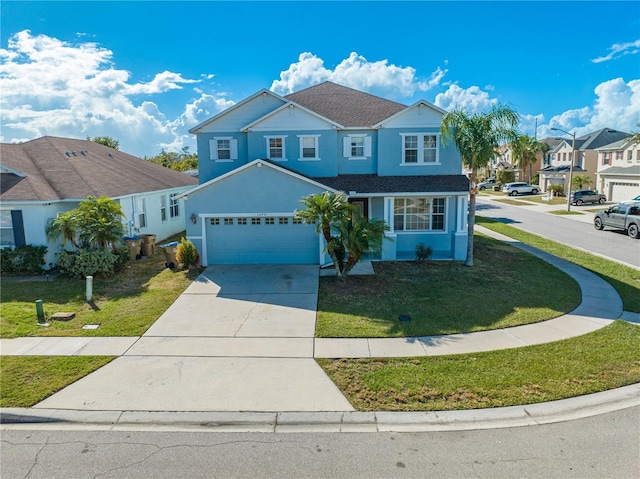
<point>618,174</point>
<point>43,177</point>
<point>258,158</point>
<point>560,158</point>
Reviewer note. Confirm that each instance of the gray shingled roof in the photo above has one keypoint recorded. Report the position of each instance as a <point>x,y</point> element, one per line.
<point>373,184</point>
<point>599,138</point>
<point>621,170</point>
<point>346,106</point>
<point>53,172</point>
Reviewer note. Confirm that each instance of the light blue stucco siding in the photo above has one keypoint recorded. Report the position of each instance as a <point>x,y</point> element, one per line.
<point>208,168</point>
<point>351,166</point>
<point>325,163</point>
<point>247,199</point>
<point>390,149</point>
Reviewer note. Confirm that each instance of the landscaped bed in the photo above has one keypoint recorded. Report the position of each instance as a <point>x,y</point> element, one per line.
<point>505,287</point>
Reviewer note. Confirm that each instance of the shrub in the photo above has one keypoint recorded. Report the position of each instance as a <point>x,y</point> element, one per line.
<point>82,263</point>
<point>23,259</point>
<point>122,257</point>
<point>423,252</point>
<point>187,254</point>
<point>558,190</point>
<point>506,176</point>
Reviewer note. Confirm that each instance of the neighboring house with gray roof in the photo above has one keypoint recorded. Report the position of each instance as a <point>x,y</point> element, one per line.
<point>618,174</point>
<point>258,158</point>
<point>560,157</point>
<point>49,175</point>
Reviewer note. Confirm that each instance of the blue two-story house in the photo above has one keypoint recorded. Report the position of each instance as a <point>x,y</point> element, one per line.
<point>258,158</point>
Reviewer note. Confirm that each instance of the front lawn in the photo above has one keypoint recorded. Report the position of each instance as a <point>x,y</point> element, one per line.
<point>602,360</point>
<point>624,279</point>
<point>124,305</point>
<point>505,287</point>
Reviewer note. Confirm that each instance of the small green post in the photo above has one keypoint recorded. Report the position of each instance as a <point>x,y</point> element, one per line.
<point>40,313</point>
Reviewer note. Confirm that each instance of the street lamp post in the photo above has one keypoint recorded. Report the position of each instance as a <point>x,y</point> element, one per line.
<point>573,158</point>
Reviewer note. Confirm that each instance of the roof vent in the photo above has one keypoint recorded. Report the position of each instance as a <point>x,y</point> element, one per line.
<point>67,153</point>
<point>74,153</point>
<point>110,155</point>
<point>84,151</point>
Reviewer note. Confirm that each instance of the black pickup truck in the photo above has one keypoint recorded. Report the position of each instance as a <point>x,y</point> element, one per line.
<point>625,216</point>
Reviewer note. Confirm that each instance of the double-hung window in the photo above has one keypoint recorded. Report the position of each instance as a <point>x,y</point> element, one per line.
<point>418,214</point>
<point>163,208</point>
<point>308,147</point>
<point>174,208</point>
<point>142,213</point>
<point>276,148</point>
<point>357,147</point>
<point>420,149</point>
<point>6,229</point>
<point>223,149</point>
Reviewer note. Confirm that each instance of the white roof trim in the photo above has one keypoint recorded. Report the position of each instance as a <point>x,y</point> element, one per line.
<point>196,128</point>
<point>6,169</point>
<point>407,109</point>
<point>249,165</point>
<point>285,106</point>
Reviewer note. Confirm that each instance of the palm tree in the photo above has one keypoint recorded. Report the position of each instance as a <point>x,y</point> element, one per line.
<point>477,136</point>
<point>359,235</point>
<point>100,222</point>
<point>325,211</point>
<point>65,225</point>
<point>525,150</point>
<point>580,181</point>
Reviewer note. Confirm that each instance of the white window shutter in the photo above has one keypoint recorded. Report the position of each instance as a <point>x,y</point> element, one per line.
<point>367,146</point>
<point>213,149</point>
<point>346,147</point>
<point>233,144</point>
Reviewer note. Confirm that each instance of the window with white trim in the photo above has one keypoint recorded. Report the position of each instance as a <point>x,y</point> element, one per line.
<point>356,147</point>
<point>308,147</point>
<point>242,221</point>
<point>420,149</point>
<point>6,229</point>
<point>255,221</point>
<point>214,221</point>
<point>228,221</point>
<point>142,213</point>
<point>269,221</point>
<point>174,208</point>
<point>629,156</point>
<point>223,149</point>
<point>276,148</point>
<point>418,214</point>
<point>163,208</point>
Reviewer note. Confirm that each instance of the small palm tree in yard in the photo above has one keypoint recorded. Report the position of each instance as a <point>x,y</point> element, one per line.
<point>477,136</point>
<point>580,181</point>
<point>525,150</point>
<point>355,234</point>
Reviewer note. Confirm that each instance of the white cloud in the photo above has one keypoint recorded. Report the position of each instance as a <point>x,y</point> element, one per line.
<point>51,87</point>
<point>471,99</point>
<point>379,77</point>
<point>617,105</point>
<point>619,49</point>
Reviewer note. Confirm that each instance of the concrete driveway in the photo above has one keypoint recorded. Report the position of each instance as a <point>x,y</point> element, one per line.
<point>240,338</point>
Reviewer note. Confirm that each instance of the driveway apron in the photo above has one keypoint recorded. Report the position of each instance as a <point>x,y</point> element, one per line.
<point>240,338</point>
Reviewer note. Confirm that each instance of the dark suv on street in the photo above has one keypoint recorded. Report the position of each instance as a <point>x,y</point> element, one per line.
<point>587,196</point>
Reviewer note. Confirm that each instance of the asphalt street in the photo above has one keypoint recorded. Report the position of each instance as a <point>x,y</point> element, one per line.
<point>575,231</point>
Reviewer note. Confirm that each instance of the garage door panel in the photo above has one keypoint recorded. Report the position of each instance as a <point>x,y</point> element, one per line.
<point>621,191</point>
<point>262,243</point>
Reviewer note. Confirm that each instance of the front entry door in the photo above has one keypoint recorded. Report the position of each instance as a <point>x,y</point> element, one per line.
<point>361,205</point>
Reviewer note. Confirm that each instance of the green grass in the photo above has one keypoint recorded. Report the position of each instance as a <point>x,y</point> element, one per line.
<point>512,202</point>
<point>602,360</point>
<point>565,212</point>
<point>506,287</point>
<point>624,279</point>
<point>557,200</point>
<point>27,380</point>
<point>124,305</point>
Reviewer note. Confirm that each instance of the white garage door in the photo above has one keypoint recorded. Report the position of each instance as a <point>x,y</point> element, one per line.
<point>621,191</point>
<point>261,240</point>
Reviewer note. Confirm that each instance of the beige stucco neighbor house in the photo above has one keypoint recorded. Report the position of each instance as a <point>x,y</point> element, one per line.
<point>585,163</point>
<point>618,174</point>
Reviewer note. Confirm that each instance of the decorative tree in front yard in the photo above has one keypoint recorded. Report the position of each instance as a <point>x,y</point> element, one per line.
<point>580,181</point>
<point>331,212</point>
<point>525,150</point>
<point>477,136</point>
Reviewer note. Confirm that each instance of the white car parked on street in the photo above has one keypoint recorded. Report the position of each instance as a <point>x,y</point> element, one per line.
<point>520,188</point>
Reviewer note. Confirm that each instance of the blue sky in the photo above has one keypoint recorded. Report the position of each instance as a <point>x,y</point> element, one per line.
<point>146,72</point>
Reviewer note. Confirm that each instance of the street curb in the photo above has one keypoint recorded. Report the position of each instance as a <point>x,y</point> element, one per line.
<point>299,422</point>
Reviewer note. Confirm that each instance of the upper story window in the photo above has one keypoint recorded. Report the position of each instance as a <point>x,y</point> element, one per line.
<point>629,156</point>
<point>356,147</point>
<point>309,147</point>
<point>276,148</point>
<point>420,149</point>
<point>606,158</point>
<point>619,155</point>
<point>223,149</point>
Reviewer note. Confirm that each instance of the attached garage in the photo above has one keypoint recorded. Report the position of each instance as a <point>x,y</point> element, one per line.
<point>245,239</point>
<point>623,190</point>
